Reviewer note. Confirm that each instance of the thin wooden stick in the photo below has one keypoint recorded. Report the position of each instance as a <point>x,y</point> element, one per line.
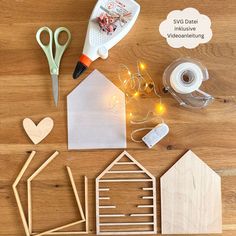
<point>14,186</point>
<point>125,171</point>
<point>97,189</point>
<point>147,197</point>
<point>141,215</point>
<point>59,228</point>
<point>154,205</point>
<point>67,233</point>
<point>103,232</point>
<point>125,180</point>
<point>112,215</point>
<point>147,189</point>
<point>127,223</point>
<point>125,163</point>
<point>106,207</point>
<point>29,187</point>
<point>86,203</point>
<point>29,200</point>
<point>75,192</point>
<point>103,189</point>
<point>24,169</point>
<point>43,166</point>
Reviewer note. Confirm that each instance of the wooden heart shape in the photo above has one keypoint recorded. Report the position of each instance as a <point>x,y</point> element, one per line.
<point>38,132</point>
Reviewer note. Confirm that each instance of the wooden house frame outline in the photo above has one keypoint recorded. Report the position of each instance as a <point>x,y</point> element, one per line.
<point>153,197</point>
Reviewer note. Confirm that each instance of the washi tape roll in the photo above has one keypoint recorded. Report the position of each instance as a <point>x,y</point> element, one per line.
<point>186,78</point>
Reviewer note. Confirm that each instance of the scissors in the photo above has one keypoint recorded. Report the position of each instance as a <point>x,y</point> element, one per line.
<point>54,62</point>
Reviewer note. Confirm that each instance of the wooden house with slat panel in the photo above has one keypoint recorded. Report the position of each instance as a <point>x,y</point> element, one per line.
<point>122,180</point>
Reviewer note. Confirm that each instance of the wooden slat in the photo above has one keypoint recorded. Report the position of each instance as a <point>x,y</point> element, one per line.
<point>124,180</point>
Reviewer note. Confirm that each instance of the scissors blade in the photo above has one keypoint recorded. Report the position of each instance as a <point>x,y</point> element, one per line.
<point>55,88</point>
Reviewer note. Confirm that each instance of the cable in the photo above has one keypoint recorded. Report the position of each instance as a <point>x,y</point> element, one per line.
<point>132,85</point>
<point>145,120</point>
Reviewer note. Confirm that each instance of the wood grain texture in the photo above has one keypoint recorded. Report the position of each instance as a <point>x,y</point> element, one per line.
<point>25,91</point>
<point>191,198</point>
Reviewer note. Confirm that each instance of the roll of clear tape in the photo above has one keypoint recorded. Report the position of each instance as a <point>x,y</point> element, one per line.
<point>186,78</point>
<point>183,79</point>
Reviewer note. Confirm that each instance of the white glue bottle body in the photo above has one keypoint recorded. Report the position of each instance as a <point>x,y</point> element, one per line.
<point>98,42</point>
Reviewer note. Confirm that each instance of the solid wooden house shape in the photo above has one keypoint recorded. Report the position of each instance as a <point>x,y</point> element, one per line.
<point>191,198</point>
<point>125,198</point>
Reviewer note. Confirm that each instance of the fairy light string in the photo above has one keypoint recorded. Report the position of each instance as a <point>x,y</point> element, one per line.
<point>135,85</point>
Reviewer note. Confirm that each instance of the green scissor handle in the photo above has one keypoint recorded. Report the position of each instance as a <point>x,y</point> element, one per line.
<point>48,49</point>
<point>60,48</point>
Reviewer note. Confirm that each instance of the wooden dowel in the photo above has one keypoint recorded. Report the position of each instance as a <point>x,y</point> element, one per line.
<point>24,169</point>
<point>75,192</point>
<point>22,214</point>
<point>104,198</point>
<point>125,163</point>
<point>127,223</point>
<point>29,200</point>
<point>68,233</point>
<point>147,197</point>
<point>14,186</point>
<point>103,189</point>
<point>97,189</point>
<point>154,206</point>
<point>43,165</point>
<point>125,180</point>
<point>86,203</point>
<point>29,187</point>
<point>112,215</point>
<point>106,207</point>
<point>59,228</point>
<point>137,215</point>
<point>124,171</point>
<point>147,189</point>
<point>145,206</point>
<point>106,232</point>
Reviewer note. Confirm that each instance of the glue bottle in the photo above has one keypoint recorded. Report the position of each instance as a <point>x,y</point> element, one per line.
<point>119,16</point>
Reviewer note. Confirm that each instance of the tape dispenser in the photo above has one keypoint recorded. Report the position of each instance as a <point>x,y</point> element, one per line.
<point>183,79</point>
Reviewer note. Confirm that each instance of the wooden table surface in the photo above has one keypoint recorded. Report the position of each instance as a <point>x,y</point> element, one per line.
<point>25,91</point>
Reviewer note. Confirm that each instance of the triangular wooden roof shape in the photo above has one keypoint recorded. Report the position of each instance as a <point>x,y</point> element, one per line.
<point>190,158</point>
<point>118,161</point>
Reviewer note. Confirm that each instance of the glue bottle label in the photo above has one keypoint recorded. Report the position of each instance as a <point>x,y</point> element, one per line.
<point>114,15</point>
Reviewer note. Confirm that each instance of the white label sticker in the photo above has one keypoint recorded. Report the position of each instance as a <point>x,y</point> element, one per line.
<point>187,28</point>
<point>116,6</point>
